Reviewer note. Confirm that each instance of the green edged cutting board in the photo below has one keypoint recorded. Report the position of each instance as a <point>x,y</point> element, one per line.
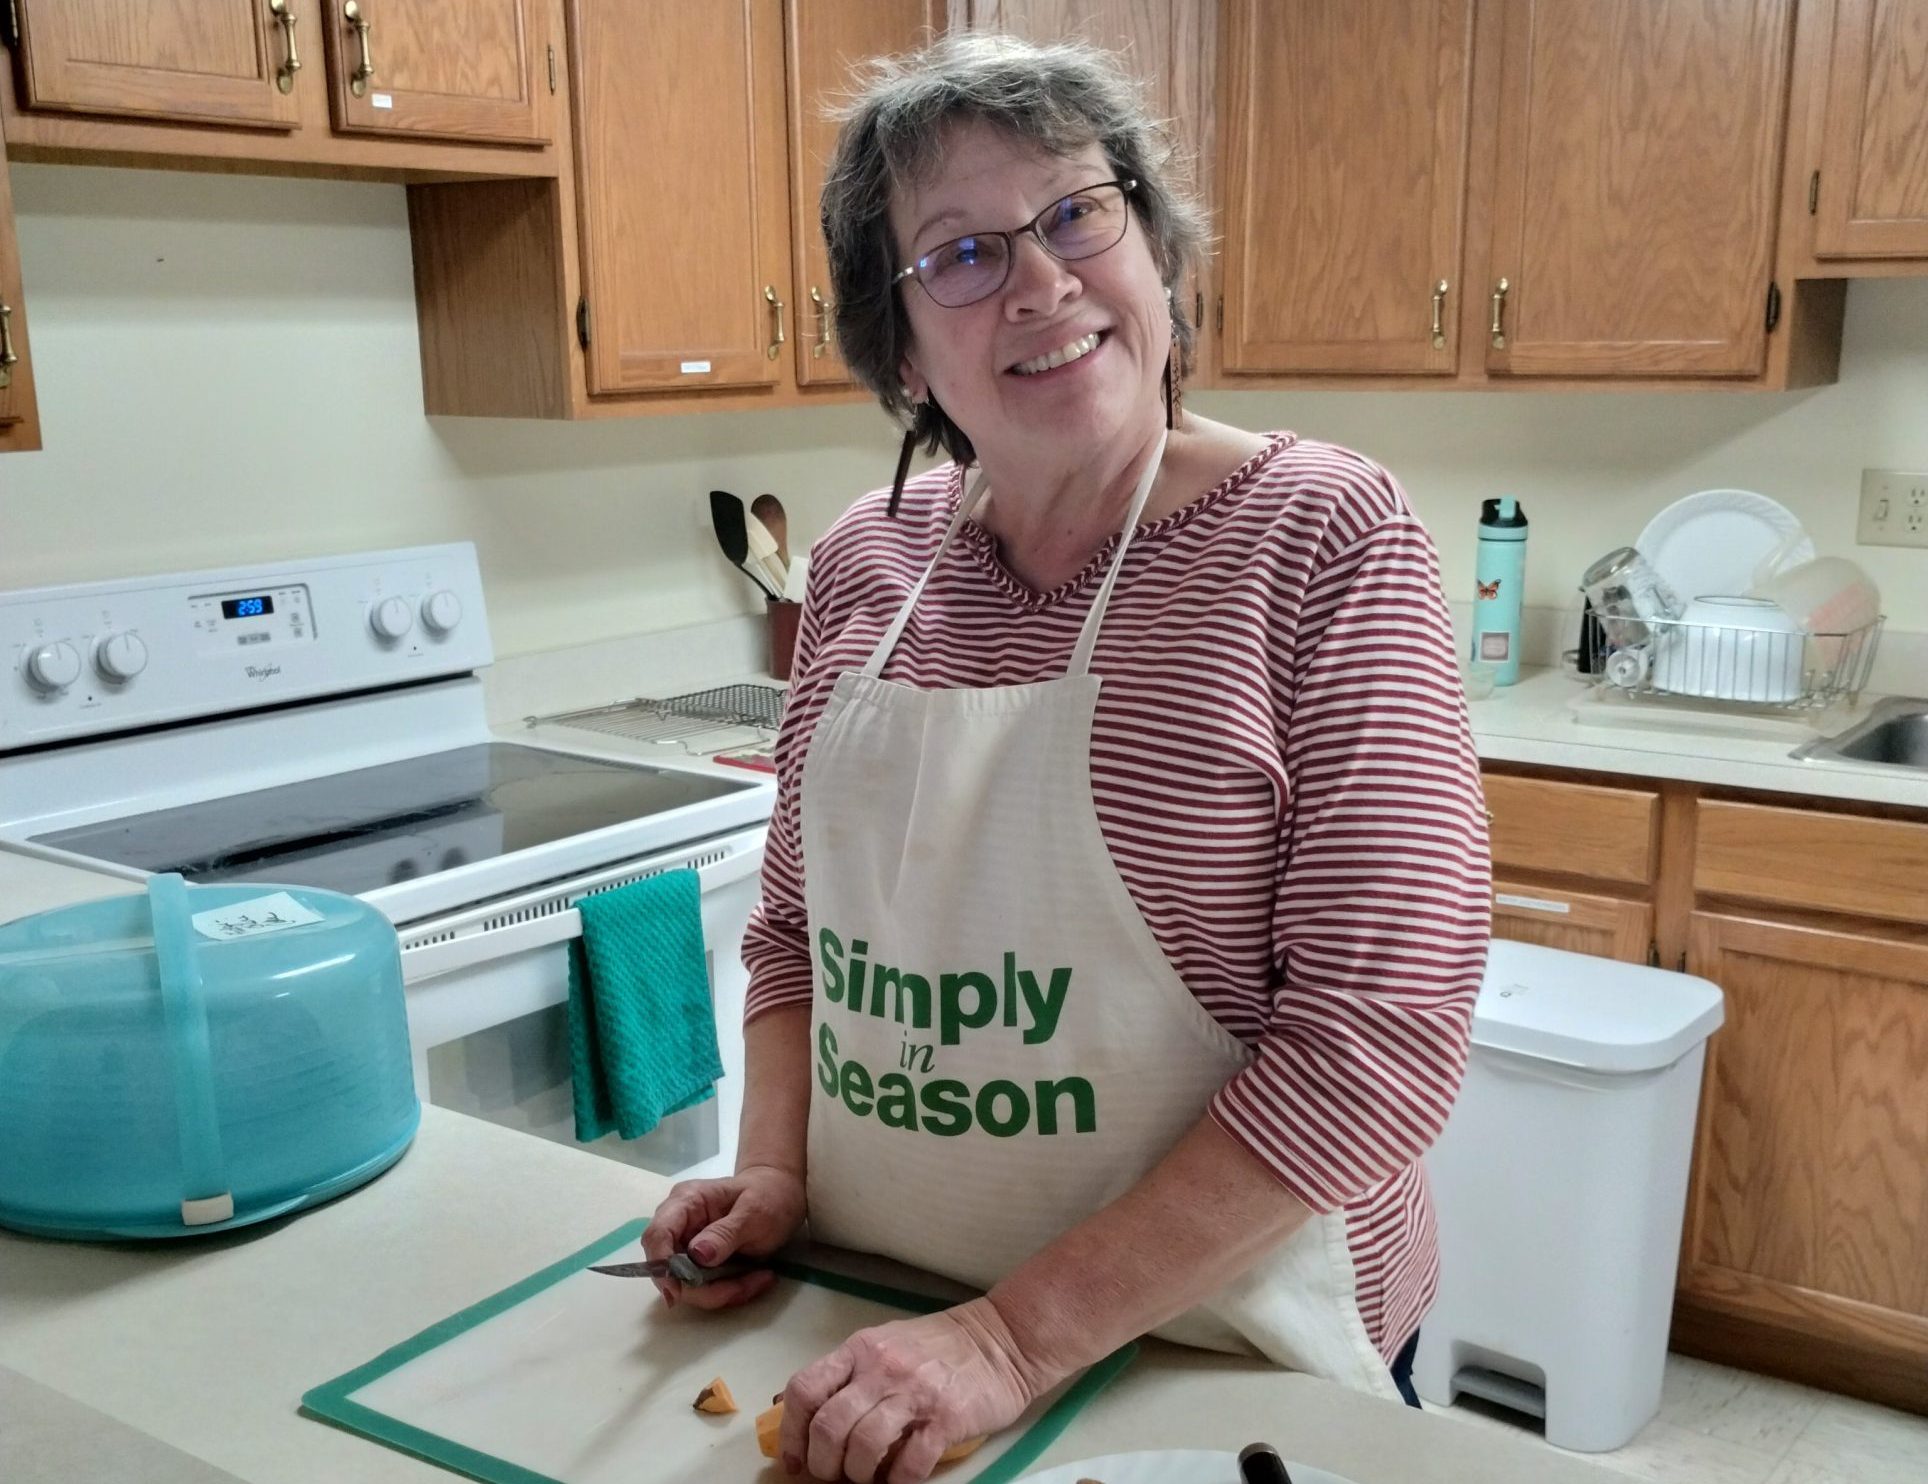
<point>572,1377</point>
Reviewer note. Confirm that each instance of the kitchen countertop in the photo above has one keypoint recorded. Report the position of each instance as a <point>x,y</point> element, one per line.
<point>206,1346</point>
<point>1536,721</point>
<point>1552,719</point>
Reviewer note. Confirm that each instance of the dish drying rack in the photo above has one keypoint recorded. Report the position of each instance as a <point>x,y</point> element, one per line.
<point>1686,662</point>
<point>678,720</point>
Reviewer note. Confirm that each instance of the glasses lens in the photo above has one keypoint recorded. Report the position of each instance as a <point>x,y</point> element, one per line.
<point>1087,223</point>
<point>964,271</point>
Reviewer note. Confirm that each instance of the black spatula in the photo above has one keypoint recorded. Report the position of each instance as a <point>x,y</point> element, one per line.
<point>733,535</point>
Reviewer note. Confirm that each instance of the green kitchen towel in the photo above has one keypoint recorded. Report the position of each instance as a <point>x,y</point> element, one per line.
<point>642,1030</point>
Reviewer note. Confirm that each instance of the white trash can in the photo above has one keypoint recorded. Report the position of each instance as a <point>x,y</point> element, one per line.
<point>1560,1182</point>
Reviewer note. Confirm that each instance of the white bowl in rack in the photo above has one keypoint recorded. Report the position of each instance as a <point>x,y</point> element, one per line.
<point>1733,649</point>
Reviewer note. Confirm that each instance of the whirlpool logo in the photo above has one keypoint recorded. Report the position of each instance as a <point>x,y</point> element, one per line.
<point>263,672</point>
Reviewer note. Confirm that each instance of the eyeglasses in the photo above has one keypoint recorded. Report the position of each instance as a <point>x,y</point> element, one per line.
<point>1081,225</point>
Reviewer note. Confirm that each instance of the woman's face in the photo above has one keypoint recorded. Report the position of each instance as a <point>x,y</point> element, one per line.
<point>981,361</point>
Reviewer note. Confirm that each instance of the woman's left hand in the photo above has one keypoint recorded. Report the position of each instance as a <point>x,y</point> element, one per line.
<point>884,1405</point>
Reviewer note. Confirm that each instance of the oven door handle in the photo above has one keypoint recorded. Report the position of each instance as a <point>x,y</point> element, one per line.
<point>442,949</point>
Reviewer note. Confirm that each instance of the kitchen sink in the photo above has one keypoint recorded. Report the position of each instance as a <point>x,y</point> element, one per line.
<point>1894,734</point>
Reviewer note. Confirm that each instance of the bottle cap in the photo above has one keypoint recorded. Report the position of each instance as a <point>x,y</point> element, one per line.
<point>1506,512</point>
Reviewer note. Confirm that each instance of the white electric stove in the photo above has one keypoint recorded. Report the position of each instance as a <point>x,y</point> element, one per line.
<point>321,723</point>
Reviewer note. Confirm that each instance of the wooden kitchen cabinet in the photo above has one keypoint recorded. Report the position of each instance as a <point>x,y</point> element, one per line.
<point>681,195</point>
<point>19,415</point>
<point>458,91</point>
<point>220,62</point>
<point>1870,178</point>
<point>1573,864</point>
<point>1636,183</point>
<point>1806,1243</point>
<point>1343,134</point>
<point>1586,922</point>
<point>670,270</point>
<point>824,43</point>
<point>428,69</point>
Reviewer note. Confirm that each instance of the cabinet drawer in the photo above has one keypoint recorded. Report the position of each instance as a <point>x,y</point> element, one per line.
<point>1810,858</point>
<point>1575,829</point>
<point>1578,921</point>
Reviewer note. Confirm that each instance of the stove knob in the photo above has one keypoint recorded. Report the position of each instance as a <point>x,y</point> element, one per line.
<point>53,667</point>
<point>120,657</point>
<point>441,611</point>
<point>391,618</point>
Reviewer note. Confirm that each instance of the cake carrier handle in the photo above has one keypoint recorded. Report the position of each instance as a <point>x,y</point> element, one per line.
<point>184,1007</point>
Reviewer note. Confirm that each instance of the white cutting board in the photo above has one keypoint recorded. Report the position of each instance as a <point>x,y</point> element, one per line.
<point>581,1378</point>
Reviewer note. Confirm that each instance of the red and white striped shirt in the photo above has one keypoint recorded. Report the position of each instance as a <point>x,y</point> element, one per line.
<point>1283,772</point>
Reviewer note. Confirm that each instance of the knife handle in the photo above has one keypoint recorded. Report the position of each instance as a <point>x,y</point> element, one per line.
<point>692,1274</point>
<point>1259,1463</point>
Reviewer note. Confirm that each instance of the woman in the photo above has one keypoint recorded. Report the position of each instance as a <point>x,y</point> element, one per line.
<point>1127,891</point>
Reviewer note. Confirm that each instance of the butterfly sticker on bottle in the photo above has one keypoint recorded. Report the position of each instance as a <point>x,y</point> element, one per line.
<point>1490,591</point>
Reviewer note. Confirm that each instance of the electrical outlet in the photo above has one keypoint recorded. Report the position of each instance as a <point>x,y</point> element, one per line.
<point>1894,508</point>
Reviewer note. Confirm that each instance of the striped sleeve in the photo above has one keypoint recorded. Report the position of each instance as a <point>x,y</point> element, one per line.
<point>1381,914</point>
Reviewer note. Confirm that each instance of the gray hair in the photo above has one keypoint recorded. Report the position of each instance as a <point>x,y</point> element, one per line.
<point>1060,98</point>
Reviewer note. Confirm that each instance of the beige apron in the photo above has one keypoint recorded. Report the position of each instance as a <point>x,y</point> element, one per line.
<point>999,1045</point>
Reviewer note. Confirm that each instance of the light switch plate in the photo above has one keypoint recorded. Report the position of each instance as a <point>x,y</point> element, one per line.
<point>1894,508</point>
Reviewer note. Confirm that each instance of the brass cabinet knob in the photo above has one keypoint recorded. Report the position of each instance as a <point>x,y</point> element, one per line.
<point>824,306</point>
<point>284,75</point>
<point>8,360</point>
<point>358,79</point>
<point>775,347</point>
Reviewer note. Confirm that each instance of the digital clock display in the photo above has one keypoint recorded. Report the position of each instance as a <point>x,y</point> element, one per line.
<point>246,607</point>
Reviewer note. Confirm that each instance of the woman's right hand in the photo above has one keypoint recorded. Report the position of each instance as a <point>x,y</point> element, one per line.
<point>753,1212</point>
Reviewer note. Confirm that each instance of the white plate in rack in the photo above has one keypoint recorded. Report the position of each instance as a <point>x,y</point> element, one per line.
<point>1709,544</point>
<point>1169,1466</point>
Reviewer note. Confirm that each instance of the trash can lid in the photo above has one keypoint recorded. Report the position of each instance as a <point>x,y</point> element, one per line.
<point>1596,1013</point>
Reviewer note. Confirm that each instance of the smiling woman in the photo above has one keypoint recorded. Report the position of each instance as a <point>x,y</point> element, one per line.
<point>1127,892</point>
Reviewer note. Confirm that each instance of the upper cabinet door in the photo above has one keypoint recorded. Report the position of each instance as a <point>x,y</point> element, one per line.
<point>682,192</point>
<point>437,70</point>
<point>1874,156</point>
<point>19,427</point>
<point>827,39</point>
<point>1636,186</point>
<point>1343,129</point>
<point>200,61</point>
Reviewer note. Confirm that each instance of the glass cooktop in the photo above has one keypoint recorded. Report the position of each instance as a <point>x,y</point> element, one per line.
<point>373,827</point>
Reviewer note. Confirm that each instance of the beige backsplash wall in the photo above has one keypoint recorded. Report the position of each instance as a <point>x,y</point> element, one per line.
<point>228,373</point>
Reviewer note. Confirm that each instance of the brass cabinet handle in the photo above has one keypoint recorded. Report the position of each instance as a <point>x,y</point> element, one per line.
<point>776,306</point>
<point>8,360</point>
<point>824,306</point>
<point>1439,311</point>
<point>358,80</point>
<point>1499,313</point>
<point>284,75</point>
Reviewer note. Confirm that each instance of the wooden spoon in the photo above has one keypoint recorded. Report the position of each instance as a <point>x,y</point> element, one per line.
<point>769,510</point>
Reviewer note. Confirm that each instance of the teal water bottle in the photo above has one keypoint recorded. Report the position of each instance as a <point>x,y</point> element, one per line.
<point>1500,572</point>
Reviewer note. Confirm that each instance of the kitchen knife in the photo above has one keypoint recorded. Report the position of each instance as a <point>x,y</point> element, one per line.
<point>683,1268</point>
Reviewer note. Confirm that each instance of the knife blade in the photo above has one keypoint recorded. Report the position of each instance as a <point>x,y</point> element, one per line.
<point>683,1268</point>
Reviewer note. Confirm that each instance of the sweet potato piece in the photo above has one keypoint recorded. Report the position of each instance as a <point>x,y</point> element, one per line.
<point>769,1424</point>
<point>715,1399</point>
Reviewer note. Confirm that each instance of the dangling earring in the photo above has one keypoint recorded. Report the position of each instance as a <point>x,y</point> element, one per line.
<point>1171,402</point>
<point>903,468</point>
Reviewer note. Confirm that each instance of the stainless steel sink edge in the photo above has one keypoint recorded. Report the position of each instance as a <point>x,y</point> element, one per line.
<point>1894,734</point>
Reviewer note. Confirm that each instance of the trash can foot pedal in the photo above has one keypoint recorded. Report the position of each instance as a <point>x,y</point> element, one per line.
<point>1505,1391</point>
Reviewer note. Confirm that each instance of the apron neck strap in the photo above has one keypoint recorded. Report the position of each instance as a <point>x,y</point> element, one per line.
<point>1088,635</point>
